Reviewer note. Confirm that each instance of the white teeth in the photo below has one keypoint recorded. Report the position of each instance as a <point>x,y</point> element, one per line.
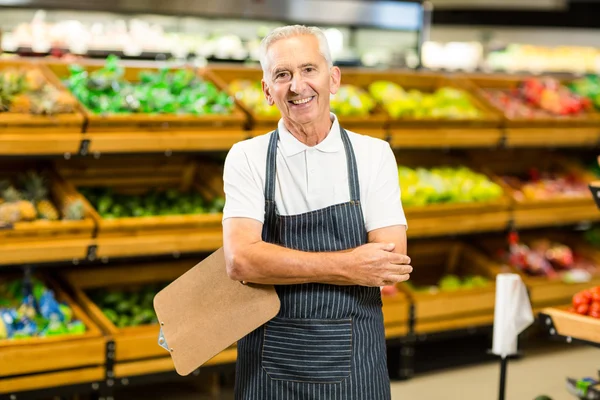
<point>302,101</point>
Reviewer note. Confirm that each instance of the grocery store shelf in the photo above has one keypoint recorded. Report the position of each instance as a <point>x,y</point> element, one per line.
<point>532,217</point>
<point>16,144</point>
<point>451,324</point>
<point>423,225</point>
<point>445,138</point>
<point>50,380</point>
<point>553,137</point>
<point>44,251</point>
<point>570,327</point>
<point>167,243</point>
<point>161,142</point>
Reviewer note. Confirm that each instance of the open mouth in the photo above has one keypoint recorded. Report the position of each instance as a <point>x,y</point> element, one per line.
<point>300,102</point>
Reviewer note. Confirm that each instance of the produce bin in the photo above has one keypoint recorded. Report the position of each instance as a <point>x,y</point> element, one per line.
<point>41,362</point>
<point>373,123</point>
<point>531,130</point>
<point>22,121</point>
<point>421,120</point>
<point>396,314</point>
<point>546,189</point>
<point>25,236</point>
<point>136,347</point>
<point>558,321</point>
<point>153,189</point>
<point>451,287</point>
<point>144,122</point>
<point>430,213</point>
<point>546,291</point>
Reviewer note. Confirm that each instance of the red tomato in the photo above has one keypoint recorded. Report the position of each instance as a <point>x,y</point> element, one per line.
<point>583,309</point>
<point>595,293</point>
<point>595,306</point>
<point>582,298</point>
<point>595,314</point>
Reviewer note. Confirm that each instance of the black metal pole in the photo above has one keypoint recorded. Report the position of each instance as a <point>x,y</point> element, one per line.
<point>503,365</point>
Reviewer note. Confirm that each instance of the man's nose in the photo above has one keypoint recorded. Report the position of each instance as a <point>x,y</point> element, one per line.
<point>298,84</point>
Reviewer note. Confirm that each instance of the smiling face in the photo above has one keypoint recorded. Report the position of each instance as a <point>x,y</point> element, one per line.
<point>299,81</point>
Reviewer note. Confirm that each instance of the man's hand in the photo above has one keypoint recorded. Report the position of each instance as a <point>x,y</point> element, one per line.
<point>376,264</point>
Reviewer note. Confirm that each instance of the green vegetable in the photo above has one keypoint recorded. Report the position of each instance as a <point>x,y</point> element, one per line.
<point>181,91</point>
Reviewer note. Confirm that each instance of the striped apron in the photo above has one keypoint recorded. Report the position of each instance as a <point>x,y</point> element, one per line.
<point>327,342</point>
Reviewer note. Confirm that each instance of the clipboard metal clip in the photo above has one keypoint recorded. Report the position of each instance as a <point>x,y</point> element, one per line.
<point>162,341</point>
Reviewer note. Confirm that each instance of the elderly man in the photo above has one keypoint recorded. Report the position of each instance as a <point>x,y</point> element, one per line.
<point>314,210</point>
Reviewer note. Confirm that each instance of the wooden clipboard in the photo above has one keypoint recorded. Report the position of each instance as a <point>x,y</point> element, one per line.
<point>203,312</point>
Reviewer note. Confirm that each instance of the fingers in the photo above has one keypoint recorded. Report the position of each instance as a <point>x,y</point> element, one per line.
<point>399,259</point>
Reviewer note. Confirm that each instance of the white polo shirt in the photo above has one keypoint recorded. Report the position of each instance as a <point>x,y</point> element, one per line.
<point>311,178</point>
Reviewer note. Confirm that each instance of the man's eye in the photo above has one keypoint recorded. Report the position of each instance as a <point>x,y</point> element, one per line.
<point>281,75</point>
<point>309,69</point>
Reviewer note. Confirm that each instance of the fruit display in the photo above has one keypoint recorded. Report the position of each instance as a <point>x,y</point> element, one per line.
<point>169,202</point>
<point>31,310</point>
<point>537,98</point>
<point>589,87</point>
<point>420,186</point>
<point>587,302</point>
<point>27,198</point>
<point>353,101</point>
<point>127,307</point>
<point>548,258</point>
<point>543,185</point>
<point>444,103</point>
<point>106,91</point>
<point>250,93</point>
<point>452,283</point>
<point>26,90</point>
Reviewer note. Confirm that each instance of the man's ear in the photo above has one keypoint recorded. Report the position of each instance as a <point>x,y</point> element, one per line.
<point>267,92</point>
<point>335,79</point>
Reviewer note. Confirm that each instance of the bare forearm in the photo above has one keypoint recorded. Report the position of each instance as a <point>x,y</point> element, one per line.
<point>266,263</point>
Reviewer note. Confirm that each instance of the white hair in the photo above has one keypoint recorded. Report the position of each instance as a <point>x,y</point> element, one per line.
<point>289,31</point>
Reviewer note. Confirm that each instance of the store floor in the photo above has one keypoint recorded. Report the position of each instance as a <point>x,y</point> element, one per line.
<point>542,371</point>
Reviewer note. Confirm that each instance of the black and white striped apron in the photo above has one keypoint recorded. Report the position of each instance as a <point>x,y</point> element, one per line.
<point>328,341</point>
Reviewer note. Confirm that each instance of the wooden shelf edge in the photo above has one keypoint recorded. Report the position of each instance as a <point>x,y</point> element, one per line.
<point>44,251</point>
<point>53,379</point>
<point>444,138</point>
<point>567,324</point>
<point>150,142</point>
<point>454,323</point>
<point>14,144</point>
<point>166,243</point>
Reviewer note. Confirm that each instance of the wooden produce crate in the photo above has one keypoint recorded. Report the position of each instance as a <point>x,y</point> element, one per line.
<point>136,347</point>
<point>449,310</point>
<point>572,326</point>
<point>373,125</point>
<point>451,218</point>
<point>37,363</point>
<point>141,122</point>
<point>43,240</point>
<point>396,315</point>
<point>148,235</point>
<point>55,126</point>
<point>544,291</point>
<point>577,130</point>
<point>538,212</point>
<point>410,132</point>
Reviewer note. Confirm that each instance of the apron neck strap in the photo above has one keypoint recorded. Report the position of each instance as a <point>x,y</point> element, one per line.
<point>353,183</point>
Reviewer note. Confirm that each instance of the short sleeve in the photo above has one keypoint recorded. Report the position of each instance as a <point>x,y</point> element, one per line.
<point>244,196</point>
<point>384,205</point>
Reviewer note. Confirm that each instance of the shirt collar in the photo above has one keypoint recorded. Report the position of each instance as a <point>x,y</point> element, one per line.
<point>292,146</point>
